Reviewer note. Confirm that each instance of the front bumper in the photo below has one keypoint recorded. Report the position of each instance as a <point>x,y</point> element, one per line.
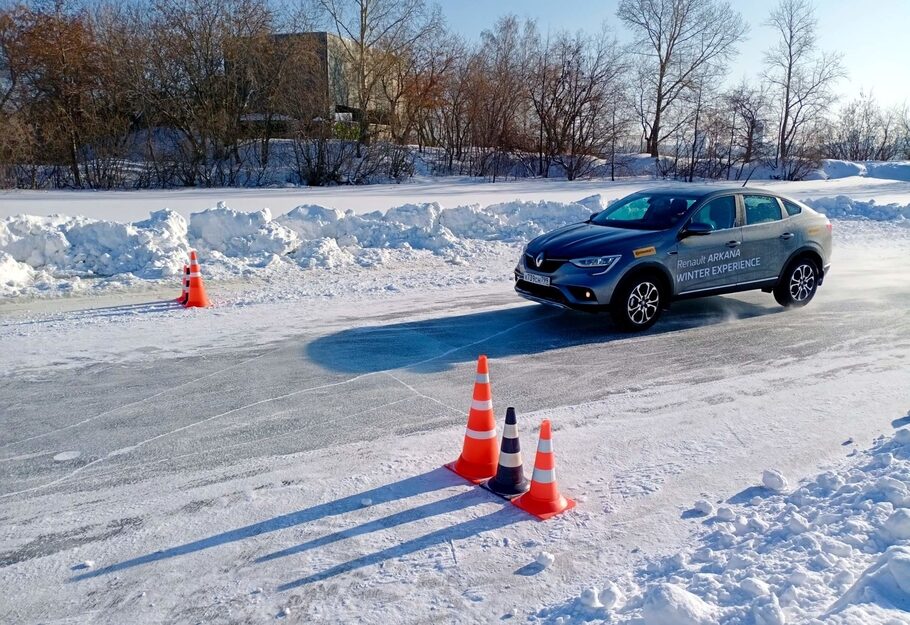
<point>570,287</point>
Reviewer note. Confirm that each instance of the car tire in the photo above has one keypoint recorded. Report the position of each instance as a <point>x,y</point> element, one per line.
<point>638,302</point>
<point>798,284</point>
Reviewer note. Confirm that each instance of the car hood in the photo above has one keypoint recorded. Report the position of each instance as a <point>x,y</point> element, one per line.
<point>584,239</point>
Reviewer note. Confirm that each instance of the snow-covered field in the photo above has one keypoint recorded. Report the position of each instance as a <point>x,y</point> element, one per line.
<point>278,456</point>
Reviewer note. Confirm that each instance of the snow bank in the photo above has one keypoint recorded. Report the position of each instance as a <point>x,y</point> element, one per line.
<point>235,233</point>
<point>58,249</point>
<point>68,247</point>
<point>843,207</point>
<point>62,254</point>
<point>887,170</point>
<point>837,549</point>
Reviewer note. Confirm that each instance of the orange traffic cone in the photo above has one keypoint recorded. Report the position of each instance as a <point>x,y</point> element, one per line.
<point>196,297</point>
<point>544,500</point>
<point>185,278</point>
<point>480,453</point>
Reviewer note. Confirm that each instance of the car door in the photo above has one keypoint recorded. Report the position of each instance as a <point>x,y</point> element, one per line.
<point>703,261</point>
<point>766,240</point>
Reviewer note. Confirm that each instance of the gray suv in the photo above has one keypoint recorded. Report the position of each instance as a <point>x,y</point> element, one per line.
<point>653,247</point>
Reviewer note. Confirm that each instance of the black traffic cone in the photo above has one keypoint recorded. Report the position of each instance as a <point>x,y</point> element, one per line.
<point>186,284</point>
<point>510,480</point>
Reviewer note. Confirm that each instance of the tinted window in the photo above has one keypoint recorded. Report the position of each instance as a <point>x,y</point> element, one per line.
<point>761,209</point>
<point>720,214</point>
<point>792,209</point>
<point>646,211</point>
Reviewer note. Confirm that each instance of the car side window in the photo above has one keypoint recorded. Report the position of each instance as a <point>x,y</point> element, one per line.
<point>791,208</point>
<point>761,209</point>
<point>720,213</point>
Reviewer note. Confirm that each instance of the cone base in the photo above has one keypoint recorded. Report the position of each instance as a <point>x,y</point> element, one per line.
<point>510,491</point>
<point>542,508</point>
<point>203,304</point>
<point>198,301</point>
<point>472,471</point>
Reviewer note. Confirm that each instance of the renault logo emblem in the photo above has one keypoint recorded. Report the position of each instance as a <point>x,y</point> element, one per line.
<point>539,260</point>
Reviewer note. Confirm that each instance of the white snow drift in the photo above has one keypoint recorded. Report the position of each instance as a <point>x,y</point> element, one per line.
<point>836,549</point>
<point>60,253</point>
<point>45,253</point>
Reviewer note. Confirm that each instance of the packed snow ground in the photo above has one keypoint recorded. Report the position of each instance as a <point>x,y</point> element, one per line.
<point>279,455</point>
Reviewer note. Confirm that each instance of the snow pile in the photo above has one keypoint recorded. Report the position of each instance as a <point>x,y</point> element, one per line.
<point>310,221</point>
<point>832,168</point>
<point>774,480</point>
<point>234,233</point>
<point>888,170</point>
<point>843,207</point>
<point>234,243</point>
<point>836,549</point>
<point>82,247</point>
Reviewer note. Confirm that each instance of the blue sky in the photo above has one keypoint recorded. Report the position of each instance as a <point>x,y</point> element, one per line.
<point>873,36</point>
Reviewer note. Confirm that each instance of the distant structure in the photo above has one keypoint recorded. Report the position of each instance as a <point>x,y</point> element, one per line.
<point>324,71</point>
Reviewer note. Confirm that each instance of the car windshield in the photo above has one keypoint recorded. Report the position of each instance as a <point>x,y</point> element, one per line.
<point>646,211</point>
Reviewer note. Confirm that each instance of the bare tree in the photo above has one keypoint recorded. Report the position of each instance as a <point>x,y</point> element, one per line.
<point>373,35</point>
<point>802,79</point>
<point>679,43</point>
<point>863,131</point>
<point>571,86</point>
<point>750,108</point>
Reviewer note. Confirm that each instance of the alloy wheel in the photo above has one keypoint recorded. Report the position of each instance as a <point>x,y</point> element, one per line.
<point>643,303</point>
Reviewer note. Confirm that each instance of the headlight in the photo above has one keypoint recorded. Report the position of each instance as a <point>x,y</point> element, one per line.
<point>591,262</point>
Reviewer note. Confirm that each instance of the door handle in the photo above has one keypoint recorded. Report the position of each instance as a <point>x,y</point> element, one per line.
<point>734,243</point>
<point>787,236</point>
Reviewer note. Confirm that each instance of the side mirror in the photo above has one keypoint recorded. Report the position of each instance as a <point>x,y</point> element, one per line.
<point>593,215</point>
<point>696,229</point>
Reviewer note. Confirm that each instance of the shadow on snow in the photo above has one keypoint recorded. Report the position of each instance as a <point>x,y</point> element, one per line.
<point>438,344</point>
<point>436,479</point>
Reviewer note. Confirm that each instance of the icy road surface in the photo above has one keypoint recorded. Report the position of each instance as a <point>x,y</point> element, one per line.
<point>299,476</point>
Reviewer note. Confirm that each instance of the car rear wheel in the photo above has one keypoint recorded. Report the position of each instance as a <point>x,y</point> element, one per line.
<point>798,284</point>
<point>637,303</point>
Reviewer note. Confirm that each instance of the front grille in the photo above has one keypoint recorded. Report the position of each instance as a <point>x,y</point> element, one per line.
<point>549,265</point>
<point>544,292</point>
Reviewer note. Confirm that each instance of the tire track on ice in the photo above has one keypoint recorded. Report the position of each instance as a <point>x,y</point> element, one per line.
<point>126,450</point>
<point>134,403</point>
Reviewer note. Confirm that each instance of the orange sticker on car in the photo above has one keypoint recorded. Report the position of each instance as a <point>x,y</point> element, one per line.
<point>645,251</point>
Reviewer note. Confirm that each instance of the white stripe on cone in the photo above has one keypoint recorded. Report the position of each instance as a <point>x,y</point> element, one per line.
<point>510,460</point>
<point>544,476</point>
<point>479,435</point>
<point>545,445</point>
<point>509,430</point>
<point>482,405</point>
<point>482,378</point>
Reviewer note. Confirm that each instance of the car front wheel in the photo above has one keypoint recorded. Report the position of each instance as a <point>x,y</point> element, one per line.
<point>798,284</point>
<point>637,303</point>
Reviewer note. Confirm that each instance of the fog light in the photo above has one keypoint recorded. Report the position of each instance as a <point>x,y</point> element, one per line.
<point>588,294</point>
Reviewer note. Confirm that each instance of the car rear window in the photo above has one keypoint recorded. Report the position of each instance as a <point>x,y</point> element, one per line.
<point>792,209</point>
<point>761,209</point>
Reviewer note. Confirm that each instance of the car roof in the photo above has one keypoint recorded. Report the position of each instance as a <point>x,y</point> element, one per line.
<point>704,190</point>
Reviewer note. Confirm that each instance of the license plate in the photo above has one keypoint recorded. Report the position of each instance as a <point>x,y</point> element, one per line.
<point>534,278</point>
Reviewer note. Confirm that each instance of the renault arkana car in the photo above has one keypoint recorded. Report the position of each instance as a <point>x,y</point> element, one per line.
<point>655,246</point>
